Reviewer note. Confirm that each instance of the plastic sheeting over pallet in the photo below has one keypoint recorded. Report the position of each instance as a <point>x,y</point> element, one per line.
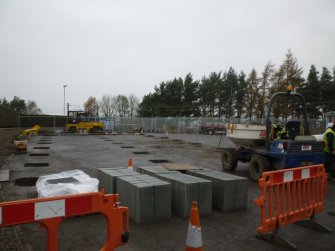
<point>66,183</point>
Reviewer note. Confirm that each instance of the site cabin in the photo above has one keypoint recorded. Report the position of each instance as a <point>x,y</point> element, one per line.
<point>79,120</point>
<point>295,148</point>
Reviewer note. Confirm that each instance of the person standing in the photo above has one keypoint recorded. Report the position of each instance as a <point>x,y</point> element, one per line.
<point>329,140</point>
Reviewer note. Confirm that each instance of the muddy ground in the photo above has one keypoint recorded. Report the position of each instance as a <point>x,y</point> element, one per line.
<point>8,235</point>
<point>220,231</point>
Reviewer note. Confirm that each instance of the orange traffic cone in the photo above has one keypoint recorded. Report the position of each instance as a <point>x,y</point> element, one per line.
<point>194,239</point>
<point>130,164</point>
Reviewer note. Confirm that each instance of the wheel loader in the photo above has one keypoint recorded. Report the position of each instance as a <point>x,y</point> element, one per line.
<point>78,121</point>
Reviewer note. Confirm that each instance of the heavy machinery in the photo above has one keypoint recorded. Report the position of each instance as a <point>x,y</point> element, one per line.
<point>20,144</point>
<point>285,147</point>
<point>80,121</point>
<point>31,131</point>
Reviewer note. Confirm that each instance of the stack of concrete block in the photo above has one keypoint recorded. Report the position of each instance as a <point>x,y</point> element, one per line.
<point>107,177</point>
<point>153,170</point>
<point>187,188</point>
<point>230,192</point>
<point>148,199</point>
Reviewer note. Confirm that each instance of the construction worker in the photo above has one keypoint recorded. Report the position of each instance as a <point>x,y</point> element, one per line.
<point>275,128</point>
<point>277,132</point>
<point>329,142</point>
<point>281,134</point>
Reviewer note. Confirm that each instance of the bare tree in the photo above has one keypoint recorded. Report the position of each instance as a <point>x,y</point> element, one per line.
<point>265,84</point>
<point>107,106</point>
<point>133,105</point>
<point>252,94</point>
<point>32,108</point>
<point>91,107</point>
<point>122,105</point>
<point>289,72</point>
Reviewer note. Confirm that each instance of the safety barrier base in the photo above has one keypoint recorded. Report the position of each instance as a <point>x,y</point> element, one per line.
<point>276,239</point>
<point>311,223</point>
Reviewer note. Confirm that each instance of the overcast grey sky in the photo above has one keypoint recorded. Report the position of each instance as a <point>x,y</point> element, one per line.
<point>99,47</point>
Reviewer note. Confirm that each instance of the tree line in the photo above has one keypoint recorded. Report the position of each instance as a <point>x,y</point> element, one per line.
<point>232,94</point>
<point>220,94</point>
<point>112,106</point>
<point>21,106</point>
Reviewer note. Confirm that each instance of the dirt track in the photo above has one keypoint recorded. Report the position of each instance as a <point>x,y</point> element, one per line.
<point>220,231</point>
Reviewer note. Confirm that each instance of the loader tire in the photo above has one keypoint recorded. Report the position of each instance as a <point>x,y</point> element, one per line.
<point>96,129</point>
<point>72,129</point>
<point>257,165</point>
<point>229,159</point>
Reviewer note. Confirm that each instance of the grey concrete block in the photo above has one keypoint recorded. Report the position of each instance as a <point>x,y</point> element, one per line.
<point>107,177</point>
<point>230,192</point>
<point>185,189</point>
<point>4,175</point>
<point>153,170</point>
<point>148,199</point>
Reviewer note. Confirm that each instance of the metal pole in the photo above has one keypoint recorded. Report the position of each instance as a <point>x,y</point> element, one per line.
<point>64,86</point>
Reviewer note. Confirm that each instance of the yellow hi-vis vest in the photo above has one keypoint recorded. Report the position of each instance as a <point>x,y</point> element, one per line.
<point>326,149</point>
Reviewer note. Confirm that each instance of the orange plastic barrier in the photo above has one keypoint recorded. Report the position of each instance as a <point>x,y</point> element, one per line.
<point>290,196</point>
<point>49,212</point>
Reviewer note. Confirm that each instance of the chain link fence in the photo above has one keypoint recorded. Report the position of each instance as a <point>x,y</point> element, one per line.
<point>193,125</point>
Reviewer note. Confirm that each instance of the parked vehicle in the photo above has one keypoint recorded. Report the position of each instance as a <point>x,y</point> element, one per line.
<point>213,127</point>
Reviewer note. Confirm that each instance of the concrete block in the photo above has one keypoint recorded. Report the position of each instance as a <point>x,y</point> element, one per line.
<point>230,192</point>
<point>185,189</point>
<point>4,175</point>
<point>153,170</point>
<point>148,199</point>
<point>107,177</point>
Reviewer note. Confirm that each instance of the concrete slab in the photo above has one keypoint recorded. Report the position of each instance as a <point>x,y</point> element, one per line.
<point>4,175</point>
<point>153,170</point>
<point>179,166</point>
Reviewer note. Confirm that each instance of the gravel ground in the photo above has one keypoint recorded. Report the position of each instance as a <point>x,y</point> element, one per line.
<point>220,231</point>
<point>8,236</point>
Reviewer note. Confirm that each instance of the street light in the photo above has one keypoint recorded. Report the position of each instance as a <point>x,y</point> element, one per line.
<point>64,86</point>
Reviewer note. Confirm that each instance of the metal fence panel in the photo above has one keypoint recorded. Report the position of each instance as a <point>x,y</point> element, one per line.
<point>154,124</point>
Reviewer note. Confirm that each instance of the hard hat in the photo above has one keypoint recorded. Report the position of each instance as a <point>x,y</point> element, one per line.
<point>330,125</point>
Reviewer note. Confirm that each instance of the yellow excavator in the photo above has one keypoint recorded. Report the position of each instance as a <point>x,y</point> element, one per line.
<point>79,121</point>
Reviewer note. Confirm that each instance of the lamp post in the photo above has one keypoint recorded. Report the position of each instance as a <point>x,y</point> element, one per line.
<point>64,86</point>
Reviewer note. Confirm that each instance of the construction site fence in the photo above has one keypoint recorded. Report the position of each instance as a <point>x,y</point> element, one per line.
<point>191,125</point>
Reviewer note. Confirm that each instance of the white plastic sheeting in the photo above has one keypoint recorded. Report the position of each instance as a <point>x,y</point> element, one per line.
<point>66,183</point>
